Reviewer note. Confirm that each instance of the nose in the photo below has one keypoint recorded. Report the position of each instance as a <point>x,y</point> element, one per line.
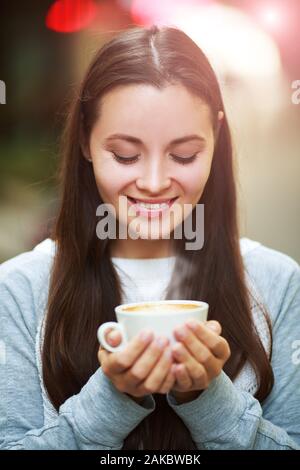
<point>154,178</point>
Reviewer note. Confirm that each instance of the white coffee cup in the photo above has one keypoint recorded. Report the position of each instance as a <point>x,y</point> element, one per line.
<point>161,316</point>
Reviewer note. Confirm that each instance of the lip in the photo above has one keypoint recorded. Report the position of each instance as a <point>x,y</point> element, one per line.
<point>150,212</point>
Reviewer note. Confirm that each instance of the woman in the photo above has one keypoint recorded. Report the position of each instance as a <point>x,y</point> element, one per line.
<point>234,383</point>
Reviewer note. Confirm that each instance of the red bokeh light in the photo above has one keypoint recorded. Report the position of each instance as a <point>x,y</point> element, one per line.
<point>67,16</point>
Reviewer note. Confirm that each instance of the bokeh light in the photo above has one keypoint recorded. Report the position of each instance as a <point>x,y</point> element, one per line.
<point>215,28</point>
<point>68,16</point>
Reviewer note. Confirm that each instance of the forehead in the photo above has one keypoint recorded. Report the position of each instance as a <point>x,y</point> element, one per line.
<point>146,111</point>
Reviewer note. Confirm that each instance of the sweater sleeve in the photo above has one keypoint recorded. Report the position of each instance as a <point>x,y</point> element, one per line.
<point>99,417</point>
<point>224,417</point>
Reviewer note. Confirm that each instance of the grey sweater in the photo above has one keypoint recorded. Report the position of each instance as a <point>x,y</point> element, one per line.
<point>225,416</point>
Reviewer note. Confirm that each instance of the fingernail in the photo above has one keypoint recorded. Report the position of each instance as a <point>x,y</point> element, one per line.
<point>160,342</point>
<point>177,351</point>
<point>192,323</point>
<point>145,335</point>
<point>213,326</point>
<point>182,333</point>
<point>168,354</point>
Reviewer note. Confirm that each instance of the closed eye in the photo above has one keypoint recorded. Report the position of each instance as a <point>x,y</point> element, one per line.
<point>184,160</point>
<point>125,160</point>
<point>128,160</point>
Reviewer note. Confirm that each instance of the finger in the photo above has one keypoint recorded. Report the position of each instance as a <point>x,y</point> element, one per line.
<point>198,375</point>
<point>202,355</point>
<point>217,344</point>
<point>147,361</point>
<point>183,380</point>
<point>102,355</point>
<point>169,382</point>
<point>181,354</point>
<point>196,371</point>
<point>195,347</point>
<point>114,338</point>
<point>120,361</point>
<point>214,326</point>
<point>159,373</point>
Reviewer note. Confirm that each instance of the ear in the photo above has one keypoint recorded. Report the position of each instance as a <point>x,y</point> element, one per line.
<point>83,142</point>
<point>219,124</point>
<point>220,115</point>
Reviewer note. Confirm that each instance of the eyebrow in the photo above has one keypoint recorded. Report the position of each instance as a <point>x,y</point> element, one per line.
<point>135,140</point>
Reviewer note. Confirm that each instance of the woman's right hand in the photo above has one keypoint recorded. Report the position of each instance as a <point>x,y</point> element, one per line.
<point>143,367</point>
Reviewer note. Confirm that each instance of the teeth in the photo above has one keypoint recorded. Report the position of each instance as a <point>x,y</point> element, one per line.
<point>153,206</point>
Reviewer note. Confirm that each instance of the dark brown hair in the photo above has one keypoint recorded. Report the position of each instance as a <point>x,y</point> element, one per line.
<point>84,285</point>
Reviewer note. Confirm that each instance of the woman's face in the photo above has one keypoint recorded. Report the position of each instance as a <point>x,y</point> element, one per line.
<point>165,138</point>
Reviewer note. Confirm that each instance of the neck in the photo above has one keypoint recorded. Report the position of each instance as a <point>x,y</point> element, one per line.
<point>141,249</point>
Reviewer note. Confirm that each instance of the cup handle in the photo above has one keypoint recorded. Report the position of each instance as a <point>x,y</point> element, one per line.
<point>101,335</point>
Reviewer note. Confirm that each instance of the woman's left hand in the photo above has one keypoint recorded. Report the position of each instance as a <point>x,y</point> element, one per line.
<point>200,354</point>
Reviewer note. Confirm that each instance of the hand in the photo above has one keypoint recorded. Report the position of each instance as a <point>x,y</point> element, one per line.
<point>141,368</point>
<point>200,355</point>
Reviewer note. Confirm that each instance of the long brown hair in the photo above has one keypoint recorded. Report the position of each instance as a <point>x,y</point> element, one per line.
<point>84,286</point>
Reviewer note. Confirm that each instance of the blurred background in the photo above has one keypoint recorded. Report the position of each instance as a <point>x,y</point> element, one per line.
<point>254,47</point>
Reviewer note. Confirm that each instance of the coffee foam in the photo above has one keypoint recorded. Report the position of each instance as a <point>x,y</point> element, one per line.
<point>157,309</point>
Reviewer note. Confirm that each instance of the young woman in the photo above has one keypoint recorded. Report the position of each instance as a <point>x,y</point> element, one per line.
<point>148,124</point>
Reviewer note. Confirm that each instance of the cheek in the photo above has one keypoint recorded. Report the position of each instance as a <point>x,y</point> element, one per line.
<point>193,181</point>
<point>110,183</point>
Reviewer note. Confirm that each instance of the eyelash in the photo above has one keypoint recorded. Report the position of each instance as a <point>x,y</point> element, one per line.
<point>129,160</point>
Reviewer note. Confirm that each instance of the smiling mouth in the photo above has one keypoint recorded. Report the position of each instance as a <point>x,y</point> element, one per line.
<point>151,207</point>
<point>151,203</point>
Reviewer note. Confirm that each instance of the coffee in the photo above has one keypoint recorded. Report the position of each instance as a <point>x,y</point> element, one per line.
<point>160,316</point>
<point>156,309</point>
